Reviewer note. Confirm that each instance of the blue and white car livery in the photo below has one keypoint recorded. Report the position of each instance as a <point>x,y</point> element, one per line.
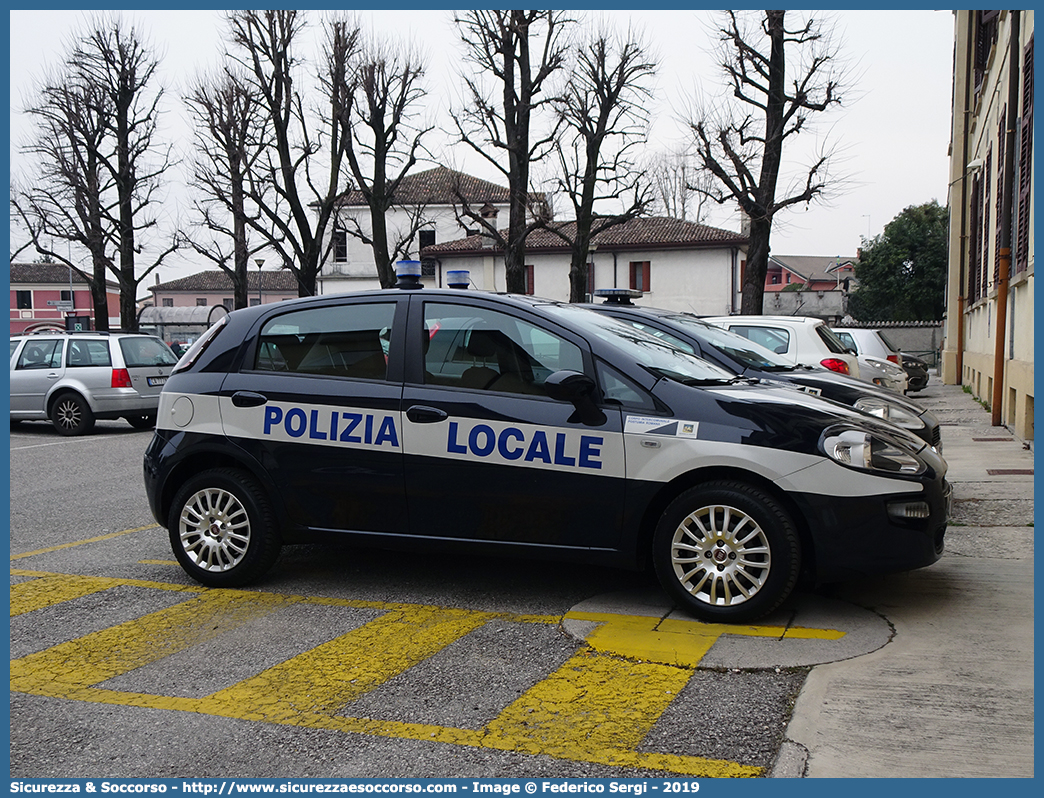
<point>519,426</point>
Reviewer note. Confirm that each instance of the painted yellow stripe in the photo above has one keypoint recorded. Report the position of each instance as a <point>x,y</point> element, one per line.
<point>50,590</point>
<point>329,676</point>
<point>594,709</point>
<point>98,539</point>
<point>102,655</point>
<point>590,704</point>
<point>684,765</point>
<point>674,641</point>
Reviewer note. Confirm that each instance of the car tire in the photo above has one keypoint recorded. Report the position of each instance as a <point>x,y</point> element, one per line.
<point>222,528</point>
<point>142,421</point>
<point>726,552</point>
<point>71,415</point>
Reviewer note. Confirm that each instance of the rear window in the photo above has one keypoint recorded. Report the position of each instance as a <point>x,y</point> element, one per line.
<point>84,353</point>
<point>887,341</point>
<point>139,352</point>
<point>831,340</point>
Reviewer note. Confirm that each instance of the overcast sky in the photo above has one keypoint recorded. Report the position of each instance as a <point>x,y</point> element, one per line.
<point>893,132</point>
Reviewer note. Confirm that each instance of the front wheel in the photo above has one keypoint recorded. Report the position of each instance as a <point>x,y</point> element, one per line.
<point>726,552</point>
<point>222,528</point>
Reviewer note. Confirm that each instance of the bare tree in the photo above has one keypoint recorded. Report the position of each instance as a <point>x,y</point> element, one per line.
<point>100,164</point>
<point>679,185</point>
<point>604,118</point>
<point>229,140</point>
<point>68,200</point>
<point>779,76</point>
<point>384,87</point>
<point>118,63</point>
<point>519,51</point>
<point>303,163</point>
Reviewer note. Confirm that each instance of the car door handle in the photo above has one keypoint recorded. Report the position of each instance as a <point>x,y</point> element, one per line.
<point>248,399</point>
<point>419,414</point>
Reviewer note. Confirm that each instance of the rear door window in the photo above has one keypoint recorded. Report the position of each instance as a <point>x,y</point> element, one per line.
<point>341,341</point>
<point>774,339</point>
<point>83,353</point>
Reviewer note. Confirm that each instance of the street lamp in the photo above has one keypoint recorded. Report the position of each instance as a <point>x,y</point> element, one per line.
<point>260,262</point>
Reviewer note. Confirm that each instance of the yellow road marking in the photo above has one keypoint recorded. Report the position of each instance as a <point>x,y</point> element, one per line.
<point>93,658</point>
<point>98,539</point>
<point>674,641</point>
<point>50,590</point>
<point>327,677</point>
<point>595,708</point>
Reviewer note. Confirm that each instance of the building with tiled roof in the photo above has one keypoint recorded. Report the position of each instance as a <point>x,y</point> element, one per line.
<point>433,193</point>
<point>44,295</point>
<point>215,288</point>
<point>676,264</point>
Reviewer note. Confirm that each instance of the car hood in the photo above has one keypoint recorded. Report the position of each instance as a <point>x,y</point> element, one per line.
<point>765,415</point>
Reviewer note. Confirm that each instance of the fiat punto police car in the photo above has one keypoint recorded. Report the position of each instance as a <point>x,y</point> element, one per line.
<point>521,426</point>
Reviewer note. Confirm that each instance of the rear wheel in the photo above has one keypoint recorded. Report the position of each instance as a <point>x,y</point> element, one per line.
<point>222,528</point>
<point>726,552</point>
<point>71,415</point>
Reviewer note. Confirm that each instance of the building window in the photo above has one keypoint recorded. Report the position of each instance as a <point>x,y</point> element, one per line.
<point>167,302</point>
<point>426,238</point>
<point>1024,176</point>
<point>201,302</point>
<point>254,302</point>
<point>66,296</point>
<point>640,275</point>
<point>529,279</point>
<point>24,299</point>
<point>229,303</point>
<point>774,279</point>
<point>340,246</point>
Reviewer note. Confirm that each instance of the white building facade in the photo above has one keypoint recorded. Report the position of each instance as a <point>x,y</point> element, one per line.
<point>677,265</point>
<point>432,198</point>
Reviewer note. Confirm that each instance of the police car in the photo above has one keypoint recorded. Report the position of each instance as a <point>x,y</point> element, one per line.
<point>521,426</point>
<point>742,356</point>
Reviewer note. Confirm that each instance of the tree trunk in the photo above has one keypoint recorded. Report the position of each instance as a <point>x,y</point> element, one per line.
<point>757,267</point>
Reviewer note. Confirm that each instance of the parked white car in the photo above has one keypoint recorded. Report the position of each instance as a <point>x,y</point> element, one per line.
<point>884,373</point>
<point>799,339</point>
<point>881,362</point>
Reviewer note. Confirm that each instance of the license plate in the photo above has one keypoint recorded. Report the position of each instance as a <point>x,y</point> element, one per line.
<point>157,380</point>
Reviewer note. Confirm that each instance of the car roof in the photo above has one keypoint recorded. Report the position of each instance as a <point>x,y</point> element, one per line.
<point>774,319</point>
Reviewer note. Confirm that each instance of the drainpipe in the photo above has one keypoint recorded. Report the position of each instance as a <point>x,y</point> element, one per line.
<point>1004,261</point>
<point>963,241</point>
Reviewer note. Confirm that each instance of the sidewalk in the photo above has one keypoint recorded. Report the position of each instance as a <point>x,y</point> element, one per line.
<point>952,694</point>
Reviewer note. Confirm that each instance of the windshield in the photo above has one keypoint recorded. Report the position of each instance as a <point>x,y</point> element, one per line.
<point>747,352</point>
<point>657,355</point>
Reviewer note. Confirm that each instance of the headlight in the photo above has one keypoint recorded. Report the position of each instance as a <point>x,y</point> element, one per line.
<point>864,450</point>
<point>889,411</point>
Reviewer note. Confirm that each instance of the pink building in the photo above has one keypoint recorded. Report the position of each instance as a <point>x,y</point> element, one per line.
<point>50,296</point>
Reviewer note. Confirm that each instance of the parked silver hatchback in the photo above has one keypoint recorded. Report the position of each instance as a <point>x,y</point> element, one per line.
<point>73,379</point>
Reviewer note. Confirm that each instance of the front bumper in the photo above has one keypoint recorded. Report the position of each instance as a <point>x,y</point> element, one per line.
<point>860,536</point>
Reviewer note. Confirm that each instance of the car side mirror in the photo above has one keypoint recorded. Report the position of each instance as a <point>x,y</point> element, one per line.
<point>579,390</point>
